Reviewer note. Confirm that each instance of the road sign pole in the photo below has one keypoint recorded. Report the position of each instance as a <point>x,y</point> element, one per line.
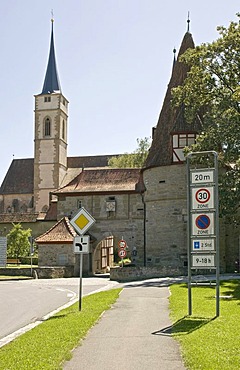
<point>217,238</point>
<point>189,241</point>
<point>203,223</point>
<point>80,281</point>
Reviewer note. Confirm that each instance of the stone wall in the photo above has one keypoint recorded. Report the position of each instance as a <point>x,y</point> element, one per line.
<point>126,222</point>
<point>141,273</point>
<point>39,272</point>
<point>56,255</point>
<point>166,217</point>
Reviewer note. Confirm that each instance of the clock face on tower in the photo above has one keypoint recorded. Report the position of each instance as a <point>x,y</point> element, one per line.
<point>111,206</point>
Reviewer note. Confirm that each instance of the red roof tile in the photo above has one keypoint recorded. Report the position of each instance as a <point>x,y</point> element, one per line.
<point>104,180</point>
<point>61,232</point>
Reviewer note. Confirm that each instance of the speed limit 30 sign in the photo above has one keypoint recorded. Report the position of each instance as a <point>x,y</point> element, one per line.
<point>203,198</point>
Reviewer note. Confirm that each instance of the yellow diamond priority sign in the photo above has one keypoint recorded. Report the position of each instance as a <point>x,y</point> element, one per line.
<point>82,221</point>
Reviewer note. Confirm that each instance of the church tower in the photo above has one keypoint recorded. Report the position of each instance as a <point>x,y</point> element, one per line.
<point>50,147</point>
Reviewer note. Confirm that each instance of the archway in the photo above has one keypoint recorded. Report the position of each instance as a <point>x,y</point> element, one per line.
<point>103,256</point>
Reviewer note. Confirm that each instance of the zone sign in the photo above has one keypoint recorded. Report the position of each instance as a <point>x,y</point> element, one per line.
<point>203,198</point>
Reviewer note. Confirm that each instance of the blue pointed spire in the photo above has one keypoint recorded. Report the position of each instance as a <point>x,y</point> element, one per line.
<point>51,82</point>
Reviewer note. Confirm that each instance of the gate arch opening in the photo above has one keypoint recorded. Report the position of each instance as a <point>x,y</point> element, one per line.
<point>103,256</point>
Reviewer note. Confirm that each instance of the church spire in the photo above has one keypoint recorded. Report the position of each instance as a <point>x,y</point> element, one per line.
<point>174,56</point>
<point>51,82</point>
<point>188,23</point>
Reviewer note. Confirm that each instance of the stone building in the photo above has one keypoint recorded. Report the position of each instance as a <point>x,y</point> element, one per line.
<point>165,177</point>
<point>146,207</point>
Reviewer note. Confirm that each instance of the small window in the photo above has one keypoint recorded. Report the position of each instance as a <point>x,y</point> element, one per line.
<point>180,141</point>
<point>62,259</point>
<point>47,99</point>
<point>47,127</point>
<point>63,129</point>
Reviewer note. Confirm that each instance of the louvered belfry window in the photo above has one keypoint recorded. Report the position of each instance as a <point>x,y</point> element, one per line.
<point>47,127</point>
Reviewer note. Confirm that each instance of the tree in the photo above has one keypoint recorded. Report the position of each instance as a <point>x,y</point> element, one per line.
<point>17,241</point>
<point>212,89</point>
<point>132,160</point>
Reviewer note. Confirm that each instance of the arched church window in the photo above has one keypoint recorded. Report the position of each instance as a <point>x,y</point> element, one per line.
<point>15,205</point>
<point>47,127</point>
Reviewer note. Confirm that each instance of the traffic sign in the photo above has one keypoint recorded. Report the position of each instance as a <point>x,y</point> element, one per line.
<point>203,220</point>
<point>82,221</point>
<point>202,195</point>
<point>202,177</point>
<point>203,260</point>
<point>203,244</point>
<point>81,244</point>
<point>203,224</point>
<point>122,253</point>
<point>122,244</point>
<point>203,198</point>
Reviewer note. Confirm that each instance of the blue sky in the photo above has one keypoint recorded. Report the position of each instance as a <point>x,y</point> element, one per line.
<point>114,60</point>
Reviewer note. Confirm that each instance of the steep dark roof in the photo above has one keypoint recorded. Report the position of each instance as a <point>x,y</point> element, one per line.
<point>51,82</point>
<point>104,180</point>
<point>19,178</point>
<point>170,119</point>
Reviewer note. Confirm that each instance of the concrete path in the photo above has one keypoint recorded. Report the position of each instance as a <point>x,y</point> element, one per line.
<point>131,335</point>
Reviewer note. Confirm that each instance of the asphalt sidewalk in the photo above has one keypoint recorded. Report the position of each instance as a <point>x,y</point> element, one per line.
<point>132,335</point>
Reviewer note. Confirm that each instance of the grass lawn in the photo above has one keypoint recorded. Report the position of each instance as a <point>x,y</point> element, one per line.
<point>207,342</point>
<point>48,345</point>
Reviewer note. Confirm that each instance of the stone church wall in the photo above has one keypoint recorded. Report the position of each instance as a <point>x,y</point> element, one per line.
<point>16,203</point>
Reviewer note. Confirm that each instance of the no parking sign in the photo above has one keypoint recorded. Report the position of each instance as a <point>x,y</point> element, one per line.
<point>203,224</point>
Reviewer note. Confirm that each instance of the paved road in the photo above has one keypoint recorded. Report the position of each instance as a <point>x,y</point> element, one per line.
<point>25,302</point>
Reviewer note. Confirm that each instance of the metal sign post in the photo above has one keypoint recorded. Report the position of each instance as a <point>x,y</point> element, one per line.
<point>31,241</point>
<point>81,222</point>
<point>80,282</point>
<point>81,246</point>
<point>203,218</point>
